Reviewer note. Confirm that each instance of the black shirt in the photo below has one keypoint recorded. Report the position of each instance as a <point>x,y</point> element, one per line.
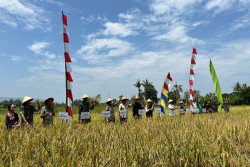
<point>136,107</point>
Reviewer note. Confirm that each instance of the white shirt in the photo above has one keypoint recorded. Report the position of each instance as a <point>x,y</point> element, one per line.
<point>171,112</point>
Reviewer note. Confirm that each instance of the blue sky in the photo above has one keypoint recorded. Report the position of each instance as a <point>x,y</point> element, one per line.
<point>115,42</point>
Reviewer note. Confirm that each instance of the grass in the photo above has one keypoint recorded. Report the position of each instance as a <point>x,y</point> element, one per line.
<point>202,140</point>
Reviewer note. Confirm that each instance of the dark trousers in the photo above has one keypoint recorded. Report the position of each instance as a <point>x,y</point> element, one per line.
<point>149,114</point>
<point>123,120</point>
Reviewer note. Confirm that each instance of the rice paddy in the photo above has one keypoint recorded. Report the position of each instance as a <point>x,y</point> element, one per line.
<point>220,139</point>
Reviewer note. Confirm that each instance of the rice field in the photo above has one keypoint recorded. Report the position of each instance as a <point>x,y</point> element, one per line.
<point>221,139</point>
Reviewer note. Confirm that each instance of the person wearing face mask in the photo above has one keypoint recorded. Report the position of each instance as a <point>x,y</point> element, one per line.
<point>48,112</point>
<point>12,120</point>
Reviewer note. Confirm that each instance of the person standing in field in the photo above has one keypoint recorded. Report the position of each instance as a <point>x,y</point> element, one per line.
<point>171,108</point>
<point>27,111</point>
<point>48,112</point>
<point>226,107</point>
<point>12,120</point>
<point>124,106</point>
<point>85,106</point>
<point>149,109</point>
<point>110,108</point>
<point>181,108</point>
<point>136,107</point>
<point>209,107</point>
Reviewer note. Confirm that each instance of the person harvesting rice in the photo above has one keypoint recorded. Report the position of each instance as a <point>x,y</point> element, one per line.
<point>136,107</point>
<point>149,108</point>
<point>85,106</point>
<point>27,111</point>
<point>110,107</point>
<point>124,106</point>
<point>171,108</point>
<point>47,112</point>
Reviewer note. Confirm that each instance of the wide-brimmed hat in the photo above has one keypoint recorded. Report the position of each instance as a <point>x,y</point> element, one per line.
<point>85,96</point>
<point>109,100</point>
<point>27,98</point>
<point>181,102</point>
<point>49,98</point>
<point>149,101</point>
<point>136,98</point>
<point>170,100</point>
<point>124,98</point>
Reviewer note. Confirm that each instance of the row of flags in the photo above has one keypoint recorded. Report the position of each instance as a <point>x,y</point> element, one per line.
<point>165,89</point>
<point>166,85</point>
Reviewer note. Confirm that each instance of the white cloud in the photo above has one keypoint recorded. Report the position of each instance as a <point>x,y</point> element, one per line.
<point>219,5</point>
<point>100,50</point>
<point>242,22</point>
<point>23,13</point>
<point>118,29</point>
<point>38,48</point>
<point>170,6</point>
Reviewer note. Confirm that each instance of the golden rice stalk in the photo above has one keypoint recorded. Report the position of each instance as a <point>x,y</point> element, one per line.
<point>120,96</point>
<point>94,101</point>
<point>38,103</point>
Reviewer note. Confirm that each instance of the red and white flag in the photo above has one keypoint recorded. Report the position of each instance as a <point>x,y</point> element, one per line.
<point>191,79</point>
<point>68,69</point>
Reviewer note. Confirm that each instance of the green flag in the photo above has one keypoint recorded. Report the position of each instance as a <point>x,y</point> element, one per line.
<point>199,106</point>
<point>216,84</point>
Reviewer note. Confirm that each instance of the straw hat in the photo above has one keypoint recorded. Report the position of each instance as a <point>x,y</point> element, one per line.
<point>181,102</point>
<point>49,98</point>
<point>137,98</point>
<point>109,100</point>
<point>124,98</point>
<point>149,101</point>
<point>27,98</point>
<point>170,100</point>
<point>85,96</point>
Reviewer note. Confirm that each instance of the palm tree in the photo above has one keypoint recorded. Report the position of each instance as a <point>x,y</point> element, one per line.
<point>146,83</point>
<point>138,85</point>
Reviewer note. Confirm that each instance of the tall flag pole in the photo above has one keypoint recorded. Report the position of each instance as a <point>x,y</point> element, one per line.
<point>164,93</point>
<point>216,84</point>
<point>68,69</point>
<point>191,79</point>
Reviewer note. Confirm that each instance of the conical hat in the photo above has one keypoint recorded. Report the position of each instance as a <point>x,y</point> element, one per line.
<point>49,98</point>
<point>137,98</point>
<point>181,102</point>
<point>149,101</point>
<point>170,100</point>
<point>109,99</point>
<point>124,98</point>
<point>85,96</point>
<point>27,98</point>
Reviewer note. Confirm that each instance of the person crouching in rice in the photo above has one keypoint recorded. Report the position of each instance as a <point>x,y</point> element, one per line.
<point>48,112</point>
<point>181,108</point>
<point>85,106</point>
<point>149,109</point>
<point>110,108</point>
<point>12,120</point>
<point>136,107</point>
<point>124,106</point>
<point>27,111</point>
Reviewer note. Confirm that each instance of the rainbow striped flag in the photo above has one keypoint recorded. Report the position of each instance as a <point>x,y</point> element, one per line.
<point>164,93</point>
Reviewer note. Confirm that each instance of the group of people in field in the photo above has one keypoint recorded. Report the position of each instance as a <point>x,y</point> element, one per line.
<point>47,111</point>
